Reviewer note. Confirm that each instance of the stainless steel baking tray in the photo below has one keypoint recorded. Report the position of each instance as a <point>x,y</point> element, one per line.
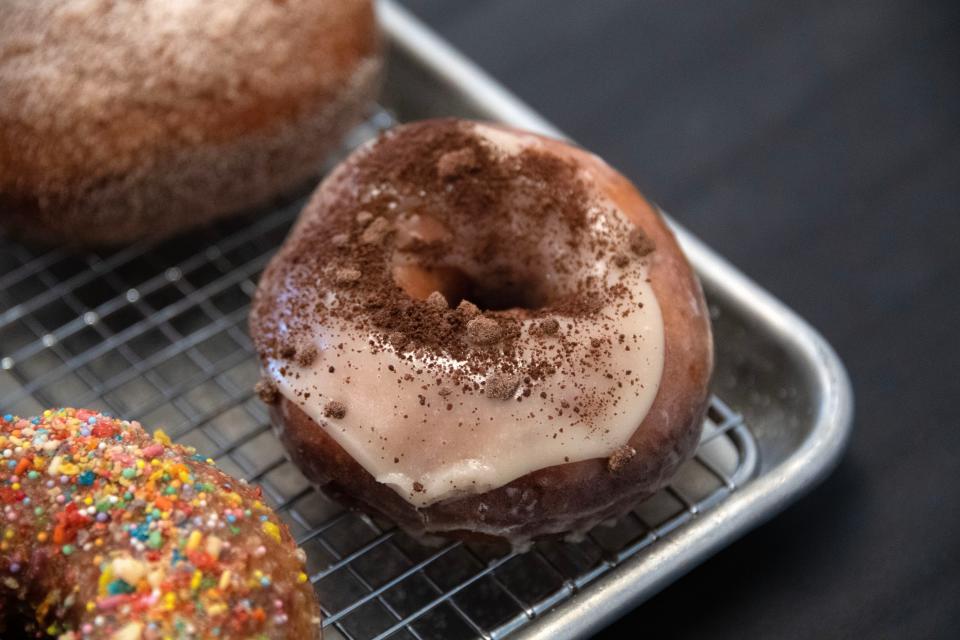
<point>157,332</point>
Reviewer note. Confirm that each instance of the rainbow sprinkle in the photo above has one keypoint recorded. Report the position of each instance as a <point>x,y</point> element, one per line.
<point>130,537</point>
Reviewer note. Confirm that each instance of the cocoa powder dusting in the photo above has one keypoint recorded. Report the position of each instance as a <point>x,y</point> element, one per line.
<point>346,276</point>
<point>349,240</point>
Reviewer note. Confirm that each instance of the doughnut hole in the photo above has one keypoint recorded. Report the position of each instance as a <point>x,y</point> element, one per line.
<point>526,280</point>
<point>499,289</point>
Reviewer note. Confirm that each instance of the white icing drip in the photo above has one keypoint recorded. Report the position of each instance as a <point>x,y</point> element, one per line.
<point>481,443</point>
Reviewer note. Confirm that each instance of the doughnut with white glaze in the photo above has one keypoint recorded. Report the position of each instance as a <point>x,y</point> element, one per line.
<point>481,332</point>
<point>129,120</point>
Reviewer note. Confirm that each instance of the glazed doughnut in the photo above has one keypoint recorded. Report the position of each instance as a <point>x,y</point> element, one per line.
<point>129,120</point>
<point>109,533</point>
<point>483,333</point>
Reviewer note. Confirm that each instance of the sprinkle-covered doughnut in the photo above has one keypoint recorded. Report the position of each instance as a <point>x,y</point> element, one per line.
<point>108,532</point>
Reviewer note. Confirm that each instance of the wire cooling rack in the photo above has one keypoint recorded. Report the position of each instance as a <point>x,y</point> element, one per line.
<point>157,332</point>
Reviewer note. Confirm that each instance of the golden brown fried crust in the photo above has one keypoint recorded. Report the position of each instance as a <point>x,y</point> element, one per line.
<point>125,121</point>
<point>568,497</point>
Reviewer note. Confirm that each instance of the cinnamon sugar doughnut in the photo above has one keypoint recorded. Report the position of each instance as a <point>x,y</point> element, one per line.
<point>109,533</point>
<point>125,120</point>
<point>481,332</point>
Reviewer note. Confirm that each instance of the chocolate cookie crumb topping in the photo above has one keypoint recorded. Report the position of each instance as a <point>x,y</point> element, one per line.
<point>501,385</point>
<point>550,326</point>
<point>454,163</point>
<point>347,275</point>
<point>437,301</point>
<point>640,243</point>
<point>619,458</point>
<point>306,355</point>
<point>483,331</point>
<point>468,310</point>
<point>376,231</point>
<point>335,409</point>
<point>364,218</point>
<point>267,391</point>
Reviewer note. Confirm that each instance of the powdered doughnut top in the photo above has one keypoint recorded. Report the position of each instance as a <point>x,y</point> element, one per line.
<point>460,305</point>
<point>122,120</point>
<point>109,533</point>
<point>96,61</point>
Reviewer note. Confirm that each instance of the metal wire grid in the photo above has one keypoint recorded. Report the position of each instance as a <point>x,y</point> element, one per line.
<point>158,332</point>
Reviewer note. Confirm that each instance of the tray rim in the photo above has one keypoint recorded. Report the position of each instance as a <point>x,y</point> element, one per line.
<point>769,492</point>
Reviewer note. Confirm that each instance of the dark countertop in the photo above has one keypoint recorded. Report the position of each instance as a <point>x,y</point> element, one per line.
<point>817,146</point>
